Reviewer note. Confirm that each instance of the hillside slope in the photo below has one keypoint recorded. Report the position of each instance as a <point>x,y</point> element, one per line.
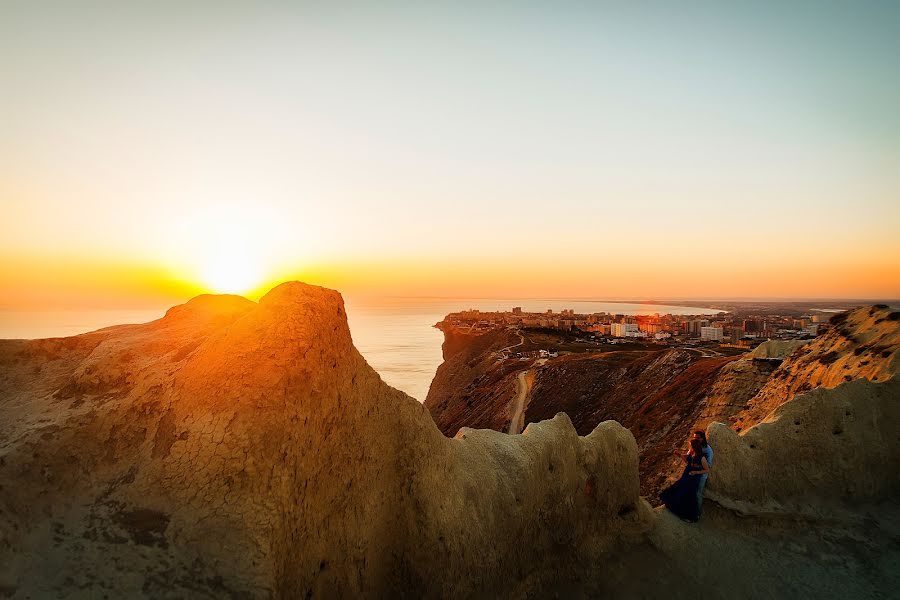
<point>862,344</point>
<point>242,450</point>
<point>470,388</point>
<point>235,449</point>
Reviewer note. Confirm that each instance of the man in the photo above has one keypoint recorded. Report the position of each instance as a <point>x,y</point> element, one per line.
<point>708,454</point>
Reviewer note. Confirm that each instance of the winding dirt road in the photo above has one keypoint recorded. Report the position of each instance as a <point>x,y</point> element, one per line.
<point>523,388</point>
<point>518,418</point>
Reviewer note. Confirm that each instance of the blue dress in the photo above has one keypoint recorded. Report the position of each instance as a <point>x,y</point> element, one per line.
<point>681,496</point>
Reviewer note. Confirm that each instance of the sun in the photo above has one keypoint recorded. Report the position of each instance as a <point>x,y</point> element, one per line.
<point>231,251</point>
<point>232,247</point>
<point>232,273</point>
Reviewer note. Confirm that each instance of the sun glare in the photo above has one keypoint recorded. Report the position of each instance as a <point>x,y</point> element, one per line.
<point>232,274</point>
<point>231,249</point>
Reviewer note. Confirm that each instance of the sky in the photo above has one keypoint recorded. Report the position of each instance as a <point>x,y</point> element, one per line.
<point>151,151</point>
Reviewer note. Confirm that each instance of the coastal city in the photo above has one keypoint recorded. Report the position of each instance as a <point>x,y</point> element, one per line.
<point>724,333</point>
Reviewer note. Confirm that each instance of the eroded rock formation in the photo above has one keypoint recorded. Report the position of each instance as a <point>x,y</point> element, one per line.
<point>862,343</point>
<point>659,395</point>
<point>236,449</point>
<point>826,450</point>
<point>244,450</point>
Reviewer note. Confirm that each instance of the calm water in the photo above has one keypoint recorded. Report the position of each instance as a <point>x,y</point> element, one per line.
<point>396,335</point>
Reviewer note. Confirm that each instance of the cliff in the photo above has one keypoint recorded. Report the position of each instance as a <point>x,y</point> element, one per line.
<point>246,450</point>
<point>862,343</point>
<point>658,395</point>
<point>827,450</point>
<point>236,449</point>
<point>661,396</point>
<point>471,388</point>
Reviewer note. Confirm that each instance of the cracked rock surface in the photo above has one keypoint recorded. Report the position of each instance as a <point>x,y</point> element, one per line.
<point>246,450</point>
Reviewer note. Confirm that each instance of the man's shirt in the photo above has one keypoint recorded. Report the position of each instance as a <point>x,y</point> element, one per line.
<point>708,455</point>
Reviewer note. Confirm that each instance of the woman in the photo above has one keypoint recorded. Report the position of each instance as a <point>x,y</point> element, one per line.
<point>681,496</point>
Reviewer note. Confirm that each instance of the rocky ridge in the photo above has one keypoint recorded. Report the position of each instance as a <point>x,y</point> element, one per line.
<point>862,343</point>
<point>246,450</point>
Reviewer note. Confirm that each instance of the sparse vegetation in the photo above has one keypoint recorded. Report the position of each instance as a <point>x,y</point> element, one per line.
<point>839,318</point>
<point>829,358</point>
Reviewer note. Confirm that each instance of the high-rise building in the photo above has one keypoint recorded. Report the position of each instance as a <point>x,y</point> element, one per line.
<point>712,334</point>
<point>622,329</point>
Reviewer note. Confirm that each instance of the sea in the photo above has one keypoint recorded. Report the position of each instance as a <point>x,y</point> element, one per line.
<point>396,335</point>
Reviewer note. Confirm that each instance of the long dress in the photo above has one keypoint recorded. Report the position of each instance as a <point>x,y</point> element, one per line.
<point>681,496</point>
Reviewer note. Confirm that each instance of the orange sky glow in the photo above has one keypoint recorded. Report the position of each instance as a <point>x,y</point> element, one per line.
<point>606,154</point>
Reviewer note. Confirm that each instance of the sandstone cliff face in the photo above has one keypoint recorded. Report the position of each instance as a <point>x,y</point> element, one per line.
<point>826,450</point>
<point>776,349</point>
<point>470,388</point>
<point>730,393</point>
<point>662,396</point>
<point>658,395</point>
<point>862,344</point>
<point>820,435</point>
<point>235,449</point>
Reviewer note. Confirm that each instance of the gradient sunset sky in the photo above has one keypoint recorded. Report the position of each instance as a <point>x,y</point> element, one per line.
<point>605,150</point>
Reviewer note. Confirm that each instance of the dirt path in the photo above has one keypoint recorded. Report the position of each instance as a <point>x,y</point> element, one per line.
<point>521,341</point>
<point>523,388</point>
<point>518,418</point>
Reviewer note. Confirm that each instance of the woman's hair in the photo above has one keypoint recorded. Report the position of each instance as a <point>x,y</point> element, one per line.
<point>696,447</point>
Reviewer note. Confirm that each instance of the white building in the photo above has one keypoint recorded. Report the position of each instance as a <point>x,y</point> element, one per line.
<point>712,334</point>
<point>622,329</point>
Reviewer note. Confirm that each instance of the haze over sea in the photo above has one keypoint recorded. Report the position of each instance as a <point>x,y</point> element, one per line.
<point>396,335</point>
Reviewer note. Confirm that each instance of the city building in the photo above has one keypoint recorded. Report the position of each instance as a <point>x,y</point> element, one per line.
<point>600,328</point>
<point>623,329</point>
<point>712,334</point>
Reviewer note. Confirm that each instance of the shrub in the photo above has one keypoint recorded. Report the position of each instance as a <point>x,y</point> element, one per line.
<point>838,318</point>
<point>829,358</point>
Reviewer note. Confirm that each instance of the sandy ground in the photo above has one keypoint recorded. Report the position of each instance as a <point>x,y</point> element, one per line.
<point>729,557</point>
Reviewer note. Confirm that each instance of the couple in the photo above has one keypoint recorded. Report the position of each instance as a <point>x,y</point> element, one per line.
<point>685,496</point>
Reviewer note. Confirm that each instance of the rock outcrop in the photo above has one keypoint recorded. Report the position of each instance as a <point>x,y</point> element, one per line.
<point>861,343</point>
<point>244,450</point>
<point>471,388</point>
<point>659,395</point>
<point>825,451</point>
<point>776,349</point>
